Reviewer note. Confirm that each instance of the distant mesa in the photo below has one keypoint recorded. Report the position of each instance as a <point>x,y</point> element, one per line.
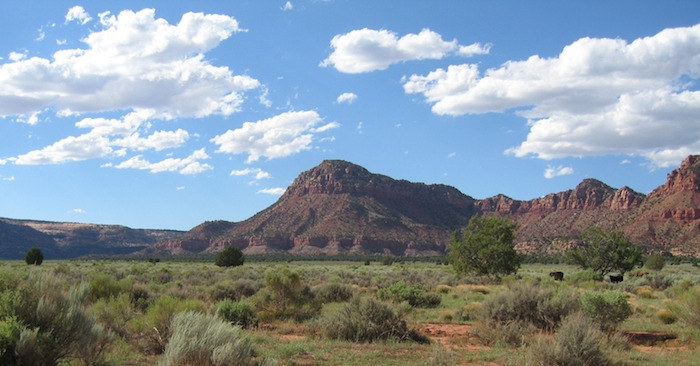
<point>339,208</point>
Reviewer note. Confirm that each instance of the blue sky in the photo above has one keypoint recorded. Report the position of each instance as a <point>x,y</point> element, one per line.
<point>164,114</point>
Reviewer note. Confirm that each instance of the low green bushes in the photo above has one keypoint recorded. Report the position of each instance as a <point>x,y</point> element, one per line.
<point>577,342</point>
<point>415,295</point>
<point>607,308</point>
<point>334,292</point>
<point>366,321</point>
<point>239,313</point>
<point>286,296</point>
<point>543,307</point>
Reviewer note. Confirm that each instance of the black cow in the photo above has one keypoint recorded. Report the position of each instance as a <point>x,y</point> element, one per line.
<point>558,276</point>
<point>616,279</point>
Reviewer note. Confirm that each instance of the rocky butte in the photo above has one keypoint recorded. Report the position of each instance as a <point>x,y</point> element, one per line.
<point>340,208</point>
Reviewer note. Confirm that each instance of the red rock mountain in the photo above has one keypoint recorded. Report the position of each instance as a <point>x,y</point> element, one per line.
<point>341,208</point>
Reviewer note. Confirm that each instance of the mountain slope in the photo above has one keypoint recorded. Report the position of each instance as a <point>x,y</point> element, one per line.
<point>341,208</point>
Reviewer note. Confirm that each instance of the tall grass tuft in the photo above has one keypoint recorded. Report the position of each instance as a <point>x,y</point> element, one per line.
<point>205,340</point>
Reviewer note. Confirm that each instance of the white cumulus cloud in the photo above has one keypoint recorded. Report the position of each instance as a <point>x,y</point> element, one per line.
<point>366,50</point>
<point>187,166</point>
<point>256,172</point>
<point>137,62</point>
<point>276,137</point>
<point>348,98</point>
<point>287,6</point>
<point>598,96</point>
<point>557,171</point>
<point>273,191</point>
<point>78,14</point>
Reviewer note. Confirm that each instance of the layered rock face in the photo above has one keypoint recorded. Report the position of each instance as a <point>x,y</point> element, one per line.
<point>341,208</point>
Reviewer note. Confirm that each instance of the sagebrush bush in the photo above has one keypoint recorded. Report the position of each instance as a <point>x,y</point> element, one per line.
<point>577,342</point>
<point>239,313</point>
<point>44,325</point>
<point>415,295</point>
<point>666,316</point>
<point>204,340</point>
<point>154,327</point>
<point>105,286</point>
<point>543,307</point>
<point>607,308</point>
<point>234,290</point>
<point>334,292</point>
<point>496,333</point>
<point>366,321</point>
<point>689,307</point>
<point>286,296</point>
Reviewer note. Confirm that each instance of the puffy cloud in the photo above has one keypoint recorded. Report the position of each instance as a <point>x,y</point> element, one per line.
<point>288,6</point>
<point>187,166</point>
<point>73,148</point>
<point>346,98</point>
<point>136,62</point>
<point>598,96</point>
<point>273,191</point>
<point>367,50</point>
<point>558,171</point>
<point>159,140</point>
<point>257,172</point>
<point>78,14</point>
<point>280,136</point>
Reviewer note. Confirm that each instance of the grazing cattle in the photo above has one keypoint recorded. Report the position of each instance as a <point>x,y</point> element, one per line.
<point>558,276</point>
<point>616,279</point>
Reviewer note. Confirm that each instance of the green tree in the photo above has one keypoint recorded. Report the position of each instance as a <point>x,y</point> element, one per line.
<point>230,257</point>
<point>34,256</point>
<point>655,262</point>
<point>485,247</point>
<point>604,252</point>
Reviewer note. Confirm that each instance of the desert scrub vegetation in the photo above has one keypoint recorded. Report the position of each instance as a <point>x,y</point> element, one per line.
<point>41,323</point>
<point>366,321</point>
<point>578,342</point>
<point>414,295</point>
<point>286,296</point>
<point>134,305</point>
<point>607,308</point>
<point>204,340</point>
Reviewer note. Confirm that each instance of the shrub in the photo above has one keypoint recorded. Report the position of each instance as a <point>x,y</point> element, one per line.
<point>42,325</point>
<point>286,297</point>
<point>34,256</point>
<point>155,325</point>
<point>495,333</point>
<point>104,286</point>
<point>229,257</point>
<point>415,295</point>
<point>689,307</point>
<point>577,342</point>
<point>655,262</point>
<point>366,321</point>
<point>544,308</point>
<point>334,292</point>
<point>139,298</point>
<point>607,308</point>
<point>200,339</point>
<point>666,316</point>
<point>237,313</point>
<point>658,282</point>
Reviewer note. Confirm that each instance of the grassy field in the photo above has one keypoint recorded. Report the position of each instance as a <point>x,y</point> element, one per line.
<point>293,311</point>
